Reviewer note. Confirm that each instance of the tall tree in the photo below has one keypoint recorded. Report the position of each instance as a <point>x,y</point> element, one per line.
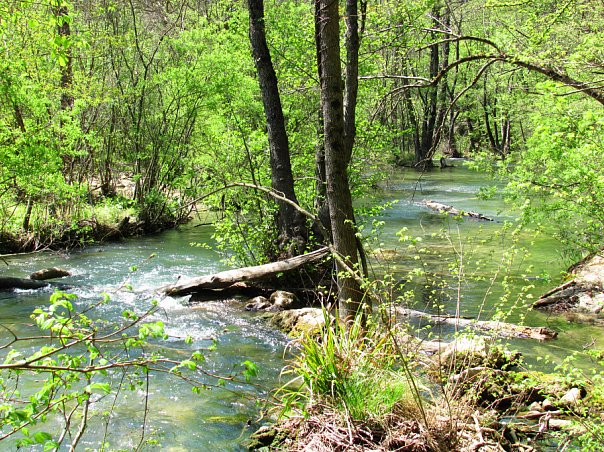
<point>338,148</point>
<point>291,222</point>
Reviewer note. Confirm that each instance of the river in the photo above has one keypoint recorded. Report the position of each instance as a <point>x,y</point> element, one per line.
<point>221,418</point>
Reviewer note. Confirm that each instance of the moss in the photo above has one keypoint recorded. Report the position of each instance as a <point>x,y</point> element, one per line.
<point>299,322</point>
<point>268,437</point>
<point>503,390</point>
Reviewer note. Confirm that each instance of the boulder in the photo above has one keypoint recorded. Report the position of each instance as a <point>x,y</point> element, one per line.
<point>465,353</point>
<point>49,273</point>
<point>299,322</point>
<point>258,304</point>
<point>535,406</point>
<point>280,300</point>
<point>548,405</point>
<point>571,398</point>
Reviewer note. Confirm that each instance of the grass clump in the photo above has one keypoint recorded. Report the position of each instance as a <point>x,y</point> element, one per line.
<point>353,370</point>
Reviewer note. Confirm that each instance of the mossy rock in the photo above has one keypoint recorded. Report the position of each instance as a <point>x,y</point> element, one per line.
<point>267,437</point>
<point>501,390</point>
<point>299,322</point>
<point>473,352</point>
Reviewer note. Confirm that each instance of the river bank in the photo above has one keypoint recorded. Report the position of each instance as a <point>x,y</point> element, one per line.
<point>78,234</point>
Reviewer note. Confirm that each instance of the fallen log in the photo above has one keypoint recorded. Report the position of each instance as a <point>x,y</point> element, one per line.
<point>445,208</point>
<point>10,283</point>
<point>565,294</point>
<point>228,278</point>
<point>49,273</point>
<point>584,294</point>
<point>502,329</point>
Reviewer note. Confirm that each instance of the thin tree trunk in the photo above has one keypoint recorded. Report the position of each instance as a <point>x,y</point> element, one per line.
<point>27,216</point>
<point>351,86</point>
<point>61,13</point>
<point>291,223</point>
<point>321,184</point>
<point>423,155</point>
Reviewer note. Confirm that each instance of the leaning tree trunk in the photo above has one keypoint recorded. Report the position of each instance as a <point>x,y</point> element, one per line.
<point>339,198</point>
<point>321,178</point>
<point>291,222</point>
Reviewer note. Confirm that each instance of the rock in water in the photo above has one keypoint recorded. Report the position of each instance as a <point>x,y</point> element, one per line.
<point>280,299</point>
<point>49,273</point>
<point>258,304</point>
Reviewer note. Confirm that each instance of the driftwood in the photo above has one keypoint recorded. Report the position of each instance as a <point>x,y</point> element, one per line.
<point>563,293</point>
<point>228,278</point>
<point>49,273</point>
<point>445,208</point>
<point>501,329</point>
<point>584,294</point>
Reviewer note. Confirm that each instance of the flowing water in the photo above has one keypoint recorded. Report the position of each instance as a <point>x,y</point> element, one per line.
<point>221,418</point>
<point>181,420</point>
<point>536,266</point>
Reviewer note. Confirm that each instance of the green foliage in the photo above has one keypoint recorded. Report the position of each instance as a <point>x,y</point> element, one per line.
<point>588,413</point>
<point>352,370</point>
<point>78,367</point>
<point>558,180</point>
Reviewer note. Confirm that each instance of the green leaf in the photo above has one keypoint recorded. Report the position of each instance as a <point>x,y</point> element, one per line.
<point>191,365</point>
<point>62,59</point>
<point>101,387</point>
<point>251,370</point>
<point>51,445</point>
<point>42,437</point>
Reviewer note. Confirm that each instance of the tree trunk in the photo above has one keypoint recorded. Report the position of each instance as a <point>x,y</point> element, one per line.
<point>429,138</point>
<point>61,13</point>
<point>351,86</point>
<point>339,198</point>
<point>291,222</point>
<point>321,182</point>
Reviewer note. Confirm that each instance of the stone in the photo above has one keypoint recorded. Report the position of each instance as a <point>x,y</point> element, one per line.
<point>281,299</point>
<point>559,424</point>
<point>49,273</point>
<point>571,398</point>
<point>465,353</point>
<point>535,406</point>
<point>467,375</point>
<point>548,405</point>
<point>263,437</point>
<point>571,427</point>
<point>299,322</point>
<point>258,304</point>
